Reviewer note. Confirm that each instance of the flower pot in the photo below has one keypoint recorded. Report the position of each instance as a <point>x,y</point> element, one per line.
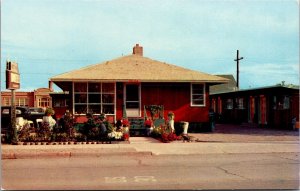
<point>185,127</point>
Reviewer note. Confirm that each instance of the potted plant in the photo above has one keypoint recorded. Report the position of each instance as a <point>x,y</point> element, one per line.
<point>126,126</point>
<point>171,117</point>
<point>49,111</point>
<point>48,120</point>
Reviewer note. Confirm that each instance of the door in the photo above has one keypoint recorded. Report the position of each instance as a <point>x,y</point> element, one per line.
<point>132,100</point>
<point>251,109</point>
<point>263,111</point>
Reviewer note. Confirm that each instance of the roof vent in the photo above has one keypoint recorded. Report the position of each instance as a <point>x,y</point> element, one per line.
<point>138,50</point>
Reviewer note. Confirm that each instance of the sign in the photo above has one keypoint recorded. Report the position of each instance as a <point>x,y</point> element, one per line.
<point>12,76</point>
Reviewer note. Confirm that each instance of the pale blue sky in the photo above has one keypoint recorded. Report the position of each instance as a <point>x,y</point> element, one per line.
<point>50,37</point>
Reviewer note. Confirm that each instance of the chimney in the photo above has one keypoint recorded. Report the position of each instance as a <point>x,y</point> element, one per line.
<point>138,50</point>
<point>51,86</point>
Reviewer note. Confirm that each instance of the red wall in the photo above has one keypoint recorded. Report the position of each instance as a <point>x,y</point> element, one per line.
<point>28,95</point>
<point>174,97</point>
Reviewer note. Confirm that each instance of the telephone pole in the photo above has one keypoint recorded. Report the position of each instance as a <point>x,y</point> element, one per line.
<point>237,67</point>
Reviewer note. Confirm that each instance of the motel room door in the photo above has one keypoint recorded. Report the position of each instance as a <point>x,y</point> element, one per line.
<point>253,109</point>
<point>133,100</point>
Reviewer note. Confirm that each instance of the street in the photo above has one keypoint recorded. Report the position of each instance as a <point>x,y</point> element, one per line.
<point>209,171</point>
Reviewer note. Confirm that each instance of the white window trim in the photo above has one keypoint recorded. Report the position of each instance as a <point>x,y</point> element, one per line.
<point>204,96</point>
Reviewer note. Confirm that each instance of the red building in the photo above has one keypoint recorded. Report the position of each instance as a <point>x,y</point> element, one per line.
<point>37,98</point>
<point>273,106</point>
<point>131,83</point>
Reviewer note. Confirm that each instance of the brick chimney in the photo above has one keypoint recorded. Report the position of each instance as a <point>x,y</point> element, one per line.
<point>51,86</point>
<point>138,50</point>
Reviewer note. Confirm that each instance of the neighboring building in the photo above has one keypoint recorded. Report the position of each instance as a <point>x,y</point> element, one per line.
<point>273,106</point>
<point>221,88</point>
<point>60,102</point>
<point>38,98</point>
<point>129,83</point>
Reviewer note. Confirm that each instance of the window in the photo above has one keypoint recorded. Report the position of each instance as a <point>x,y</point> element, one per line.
<point>43,102</point>
<point>132,96</point>
<point>286,102</point>
<point>281,102</point>
<point>197,95</point>
<point>60,102</point>
<point>21,101</point>
<point>94,98</point>
<point>7,111</point>
<point>240,103</point>
<point>6,101</point>
<point>229,104</point>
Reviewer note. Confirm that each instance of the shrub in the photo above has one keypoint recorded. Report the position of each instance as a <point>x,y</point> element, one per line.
<point>49,111</point>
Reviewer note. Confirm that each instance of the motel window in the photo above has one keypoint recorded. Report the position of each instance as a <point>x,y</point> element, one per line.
<point>240,103</point>
<point>229,104</point>
<point>94,98</point>
<point>197,95</point>
<point>281,102</point>
<point>286,102</point>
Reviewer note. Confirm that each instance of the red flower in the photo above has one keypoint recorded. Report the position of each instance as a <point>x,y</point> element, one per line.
<point>164,137</point>
<point>126,136</point>
<point>125,122</point>
<point>148,123</point>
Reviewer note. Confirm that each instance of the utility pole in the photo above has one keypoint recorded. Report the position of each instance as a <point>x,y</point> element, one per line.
<point>237,67</point>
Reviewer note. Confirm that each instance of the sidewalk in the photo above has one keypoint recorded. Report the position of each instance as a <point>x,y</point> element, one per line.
<point>138,146</point>
<point>227,139</point>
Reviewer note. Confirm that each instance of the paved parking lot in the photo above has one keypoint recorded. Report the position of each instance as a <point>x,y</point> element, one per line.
<point>237,133</point>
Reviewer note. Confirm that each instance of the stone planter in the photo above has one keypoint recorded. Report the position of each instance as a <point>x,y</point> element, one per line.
<point>185,126</point>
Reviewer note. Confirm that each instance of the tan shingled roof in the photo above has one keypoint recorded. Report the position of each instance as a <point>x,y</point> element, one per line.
<point>135,67</point>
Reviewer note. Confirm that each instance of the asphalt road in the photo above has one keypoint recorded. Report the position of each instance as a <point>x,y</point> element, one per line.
<point>210,171</point>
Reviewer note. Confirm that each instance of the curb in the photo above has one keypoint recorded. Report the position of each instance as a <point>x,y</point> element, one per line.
<point>66,154</point>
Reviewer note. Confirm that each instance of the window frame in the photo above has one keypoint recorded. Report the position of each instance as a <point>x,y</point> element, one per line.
<point>240,103</point>
<point>227,104</point>
<point>203,94</point>
<point>102,92</point>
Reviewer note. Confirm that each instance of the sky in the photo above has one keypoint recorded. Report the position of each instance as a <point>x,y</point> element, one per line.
<point>49,37</point>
